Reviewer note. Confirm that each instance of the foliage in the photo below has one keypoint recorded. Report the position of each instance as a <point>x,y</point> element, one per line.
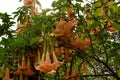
<point>71,41</point>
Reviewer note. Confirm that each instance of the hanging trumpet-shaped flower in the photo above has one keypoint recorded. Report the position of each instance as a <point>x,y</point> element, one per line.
<point>23,66</point>
<point>56,62</point>
<point>18,72</point>
<point>37,61</point>
<point>28,2</point>
<point>67,57</point>
<point>28,70</point>
<point>46,66</point>
<point>7,74</point>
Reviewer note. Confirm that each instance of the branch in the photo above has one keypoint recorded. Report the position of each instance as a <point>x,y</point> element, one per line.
<point>99,75</point>
<point>114,74</point>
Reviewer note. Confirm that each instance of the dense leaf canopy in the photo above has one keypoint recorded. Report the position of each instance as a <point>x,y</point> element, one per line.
<point>71,41</point>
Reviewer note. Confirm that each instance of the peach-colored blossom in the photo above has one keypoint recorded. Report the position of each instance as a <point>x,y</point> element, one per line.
<point>56,62</point>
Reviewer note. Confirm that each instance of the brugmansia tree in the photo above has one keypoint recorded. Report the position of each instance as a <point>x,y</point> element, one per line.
<point>71,41</point>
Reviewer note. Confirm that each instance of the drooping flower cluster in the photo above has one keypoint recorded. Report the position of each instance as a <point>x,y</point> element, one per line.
<point>24,69</point>
<point>7,74</point>
<point>46,65</point>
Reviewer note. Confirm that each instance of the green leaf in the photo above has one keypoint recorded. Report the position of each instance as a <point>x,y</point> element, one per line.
<point>89,22</point>
<point>116,25</point>
<point>94,25</point>
<point>97,4</point>
<point>98,12</point>
<point>17,43</point>
<point>115,8</point>
<point>34,40</point>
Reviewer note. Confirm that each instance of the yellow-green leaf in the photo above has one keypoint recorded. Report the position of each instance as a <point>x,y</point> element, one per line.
<point>97,4</point>
<point>99,12</point>
<point>116,25</point>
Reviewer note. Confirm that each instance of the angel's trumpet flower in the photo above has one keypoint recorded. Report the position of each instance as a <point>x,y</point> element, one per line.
<point>7,74</point>
<point>19,72</point>
<point>23,66</point>
<point>37,61</point>
<point>28,2</point>
<point>56,62</point>
<point>67,58</point>
<point>46,66</point>
<point>28,70</point>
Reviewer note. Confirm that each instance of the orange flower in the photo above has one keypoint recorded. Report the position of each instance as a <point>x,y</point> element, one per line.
<point>45,65</point>
<point>67,57</point>
<point>93,30</point>
<point>64,28</point>
<point>48,65</point>
<point>34,10</point>
<point>28,2</point>
<point>23,66</point>
<point>60,24</point>
<point>56,63</point>
<point>58,52</point>
<point>111,29</point>
<point>82,44</point>
<point>28,70</point>
<point>18,72</point>
<point>39,63</point>
<point>68,27</point>
<point>7,74</point>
